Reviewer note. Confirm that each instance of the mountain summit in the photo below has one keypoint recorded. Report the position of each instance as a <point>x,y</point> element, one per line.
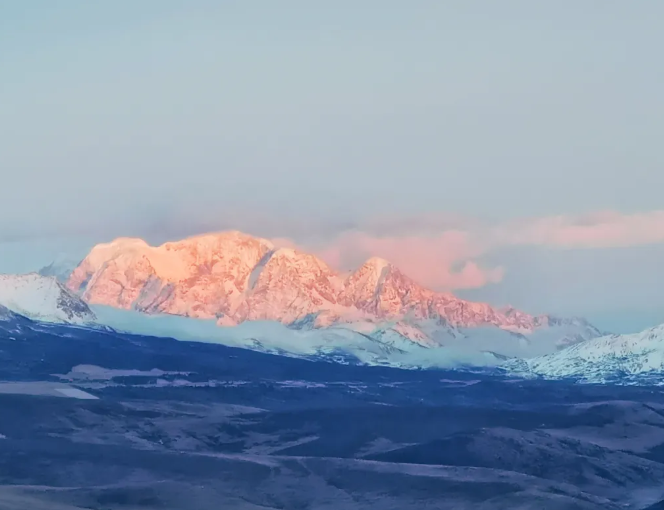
<point>234,277</point>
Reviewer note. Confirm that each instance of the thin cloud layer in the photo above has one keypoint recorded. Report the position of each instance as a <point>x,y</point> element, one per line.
<point>452,257</point>
<point>606,229</point>
<point>443,252</point>
<point>444,261</point>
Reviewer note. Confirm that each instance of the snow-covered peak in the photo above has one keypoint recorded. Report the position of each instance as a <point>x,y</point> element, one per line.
<point>42,298</point>
<point>215,240</point>
<point>120,245</point>
<point>377,264</point>
<point>204,276</point>
<point>287,258</point>
<point>233,277</point>
<point>370,275</point>
<point>124,243</point>
<point>601,358</point>
<point>173,260</point>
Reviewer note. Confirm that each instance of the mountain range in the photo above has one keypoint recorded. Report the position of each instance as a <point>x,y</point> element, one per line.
<point>232,277</point>
<point>237,290</point>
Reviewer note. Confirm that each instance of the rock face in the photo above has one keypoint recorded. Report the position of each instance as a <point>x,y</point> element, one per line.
<point>42,298</point>
<point>234,277</point>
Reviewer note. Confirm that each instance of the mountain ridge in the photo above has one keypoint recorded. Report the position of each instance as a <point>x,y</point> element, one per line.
<point>608,357</point>
<point>43,298</point>
<point>233,277</point>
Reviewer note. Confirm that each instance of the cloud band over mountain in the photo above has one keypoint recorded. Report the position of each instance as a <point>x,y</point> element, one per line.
<point>441,251</point>
<point>447,253</point>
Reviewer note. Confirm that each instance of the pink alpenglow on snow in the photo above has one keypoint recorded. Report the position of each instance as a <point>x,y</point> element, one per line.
<point>234,277</point>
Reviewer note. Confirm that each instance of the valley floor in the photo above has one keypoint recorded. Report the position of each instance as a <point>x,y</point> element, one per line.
<point>99,420</point>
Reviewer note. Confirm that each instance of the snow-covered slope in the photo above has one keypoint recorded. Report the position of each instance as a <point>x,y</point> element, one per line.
<point>232,277</point>
<point>391,343</point>
<point>43,298</point>
<point>335,343</point>
<point>600,359</point>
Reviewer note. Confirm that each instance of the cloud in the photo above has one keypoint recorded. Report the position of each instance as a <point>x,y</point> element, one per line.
<point>446,252</point>
<point>440,251</point>
<point>606,229</point>
<point>443,261</point>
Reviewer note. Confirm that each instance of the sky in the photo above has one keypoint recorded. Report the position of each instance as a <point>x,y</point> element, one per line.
<point>507,151</point>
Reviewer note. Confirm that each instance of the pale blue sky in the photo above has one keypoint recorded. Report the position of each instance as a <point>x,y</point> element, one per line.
<point>162,117</point>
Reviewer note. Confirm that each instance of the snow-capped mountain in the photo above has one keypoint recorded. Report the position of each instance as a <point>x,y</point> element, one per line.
<point>43,298</point>
<point>600,359</point>
<point>232,277</point>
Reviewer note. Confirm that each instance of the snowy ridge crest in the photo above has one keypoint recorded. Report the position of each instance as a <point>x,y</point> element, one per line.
<point>43,298</point>
<point>600,359</point>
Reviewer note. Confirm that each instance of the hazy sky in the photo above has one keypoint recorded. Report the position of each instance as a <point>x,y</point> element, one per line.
<point>324,121</point>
